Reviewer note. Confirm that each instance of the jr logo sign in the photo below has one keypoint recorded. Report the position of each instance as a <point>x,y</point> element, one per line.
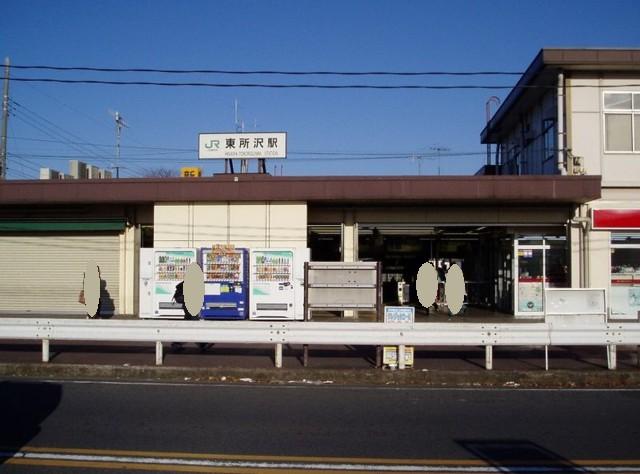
<point>212,145</point>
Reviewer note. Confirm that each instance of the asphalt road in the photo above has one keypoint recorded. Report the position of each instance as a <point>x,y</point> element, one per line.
<point>53,426</point>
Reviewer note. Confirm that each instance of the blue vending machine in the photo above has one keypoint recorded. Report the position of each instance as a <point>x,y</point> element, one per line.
<point>226,282</point>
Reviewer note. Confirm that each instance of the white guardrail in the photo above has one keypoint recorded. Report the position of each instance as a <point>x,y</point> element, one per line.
<point>606,334</point>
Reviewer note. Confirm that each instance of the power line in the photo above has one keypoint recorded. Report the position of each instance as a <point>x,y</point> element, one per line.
<point>267,72</point>
<point>296,160</point>
<point>169,150</point>
<point>93,119</point>
<point>52,130</point>
<point>310,86</point>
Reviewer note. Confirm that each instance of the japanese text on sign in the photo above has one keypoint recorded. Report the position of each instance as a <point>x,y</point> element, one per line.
<point>399,314</point>
<point>213,146</point>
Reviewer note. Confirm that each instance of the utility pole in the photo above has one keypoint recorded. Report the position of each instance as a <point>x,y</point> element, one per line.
<point>5,120</point>
<point>438,150</point>
<point>418,158</point>
<point>119,124</point>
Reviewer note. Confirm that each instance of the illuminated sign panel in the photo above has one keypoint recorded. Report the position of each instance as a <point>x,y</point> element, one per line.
<point>230,146</point>
<point>616,219</point>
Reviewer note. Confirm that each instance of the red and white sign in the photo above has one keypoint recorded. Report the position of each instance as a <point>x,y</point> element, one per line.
<point>604,219</point>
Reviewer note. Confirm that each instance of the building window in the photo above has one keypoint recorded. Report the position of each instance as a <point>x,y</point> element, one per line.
<point>625,276</point>
<point>147,236</point>
<point>622,121</point>
<point>549,136</point>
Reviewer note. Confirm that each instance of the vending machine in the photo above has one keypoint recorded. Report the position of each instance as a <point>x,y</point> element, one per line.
<point>161,270</point>
<point>277,283</point>
<point>226,278</point>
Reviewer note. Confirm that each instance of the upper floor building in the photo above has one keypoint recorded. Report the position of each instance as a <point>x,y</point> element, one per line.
<point>574,111</point>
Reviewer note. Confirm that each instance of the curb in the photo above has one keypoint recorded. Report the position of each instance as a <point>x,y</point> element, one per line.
<point>350,377</point>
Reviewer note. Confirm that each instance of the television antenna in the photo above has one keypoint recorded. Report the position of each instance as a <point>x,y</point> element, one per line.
<point>438,150</point>
<point>120,123</point>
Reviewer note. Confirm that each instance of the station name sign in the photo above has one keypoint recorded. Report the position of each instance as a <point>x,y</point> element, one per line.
<point>228,146</point>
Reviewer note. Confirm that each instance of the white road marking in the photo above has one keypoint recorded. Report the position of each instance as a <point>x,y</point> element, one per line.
<point>341,466</point>
<point>325,385</point>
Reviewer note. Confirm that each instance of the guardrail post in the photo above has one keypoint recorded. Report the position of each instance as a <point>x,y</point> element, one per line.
<point>45,350</point>
<point>401,357</point>
<point>279,356</point>
<point>158,352</point>
<point>305,355</point>
<point>611,357</point>
<point>546,357</point>
<point>488,357</point>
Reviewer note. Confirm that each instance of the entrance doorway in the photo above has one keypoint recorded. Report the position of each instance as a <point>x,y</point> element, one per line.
<point>484,253</point>
<point>325,242</point>
<point>541,263</point>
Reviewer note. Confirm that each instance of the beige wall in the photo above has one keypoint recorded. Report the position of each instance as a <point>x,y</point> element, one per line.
<point>255,224</point>
<point>586,132</point>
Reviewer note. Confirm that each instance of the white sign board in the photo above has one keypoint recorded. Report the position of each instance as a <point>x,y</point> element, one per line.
<point>229,146</point>
<point>399,314</point>
<point>575,301</point>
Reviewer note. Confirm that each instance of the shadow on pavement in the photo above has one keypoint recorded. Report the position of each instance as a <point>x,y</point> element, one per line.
<point>518,456</point>
<point>24,407</point>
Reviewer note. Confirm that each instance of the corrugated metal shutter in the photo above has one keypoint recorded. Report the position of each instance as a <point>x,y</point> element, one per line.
<point>44,273</point>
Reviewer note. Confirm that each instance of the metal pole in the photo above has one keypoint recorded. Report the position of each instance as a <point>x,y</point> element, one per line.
<point>488,357</point>
<point>487,109</point>
<point>612,359</point>
<point>5,120</point>
<point>45,350</point>
<point>117,145</point>
<point>279,356</point>
<point>401,357</point>
<point>546,357</point>
<point>158,352</point>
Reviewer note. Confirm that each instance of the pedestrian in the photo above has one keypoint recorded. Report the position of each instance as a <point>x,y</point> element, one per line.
<point>178,297</point>
<point>82,297</point>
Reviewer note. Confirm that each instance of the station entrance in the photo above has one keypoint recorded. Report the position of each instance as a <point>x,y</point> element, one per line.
<point>505,269</point>
<point>485,255</point>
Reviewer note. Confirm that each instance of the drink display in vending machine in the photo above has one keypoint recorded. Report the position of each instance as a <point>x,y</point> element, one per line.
<point>226,290</point>
<point>276,282</point>
<point>170,267</point>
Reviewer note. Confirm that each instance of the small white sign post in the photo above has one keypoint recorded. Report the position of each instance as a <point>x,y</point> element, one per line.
<point>403,355</point>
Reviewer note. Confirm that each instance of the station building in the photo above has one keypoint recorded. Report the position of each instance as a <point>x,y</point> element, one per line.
<point>558,205</point>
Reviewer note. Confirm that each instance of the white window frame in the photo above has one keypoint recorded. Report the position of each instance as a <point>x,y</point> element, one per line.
<point>635,148</point>
<point>611,247</point>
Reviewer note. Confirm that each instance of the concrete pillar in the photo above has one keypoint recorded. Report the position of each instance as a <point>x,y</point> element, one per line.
<point>349,246</point>
<point>576,259</point>
<point>349,238</point>
<point>599,259</point>
<point>129,261</point>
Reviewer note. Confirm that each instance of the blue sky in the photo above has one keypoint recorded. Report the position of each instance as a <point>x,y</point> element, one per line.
<point>280,35</point>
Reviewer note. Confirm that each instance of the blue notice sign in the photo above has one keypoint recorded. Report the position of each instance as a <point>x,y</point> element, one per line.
<point>399,314</point>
